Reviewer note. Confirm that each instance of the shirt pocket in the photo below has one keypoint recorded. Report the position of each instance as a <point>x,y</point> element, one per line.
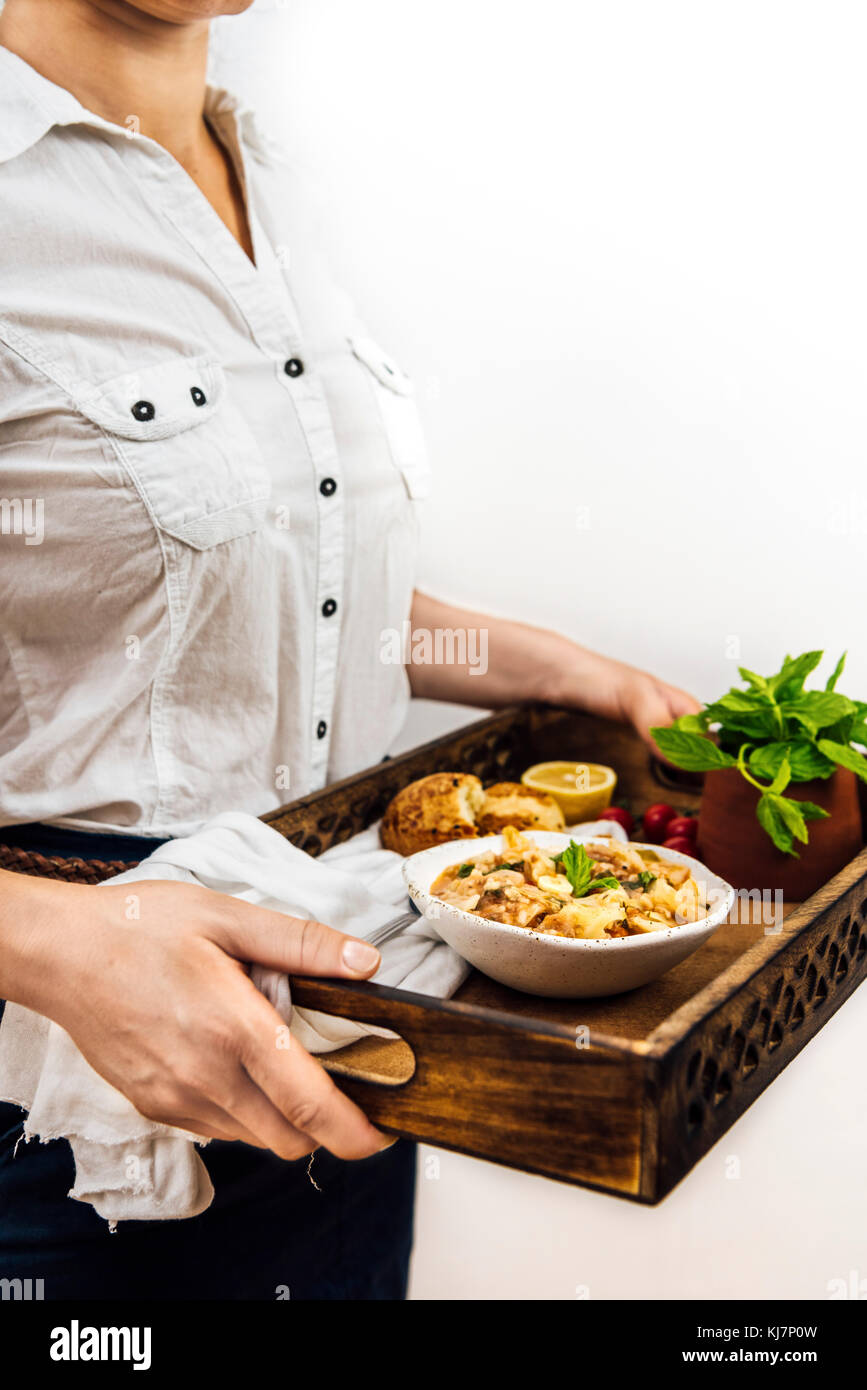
<point>394,394</point>
<point>186,445</point>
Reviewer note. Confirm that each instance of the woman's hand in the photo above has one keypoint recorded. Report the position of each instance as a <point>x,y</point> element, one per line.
<point>617,691</point>
<point>162,1007</point>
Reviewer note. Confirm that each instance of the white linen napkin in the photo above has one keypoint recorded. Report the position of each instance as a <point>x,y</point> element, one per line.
<point>131,1168</point>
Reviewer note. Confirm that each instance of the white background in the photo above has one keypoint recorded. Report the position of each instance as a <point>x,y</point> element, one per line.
<point>620,247</point>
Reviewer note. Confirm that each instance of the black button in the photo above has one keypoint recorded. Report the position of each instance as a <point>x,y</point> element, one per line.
<point>198,395</point>
<point>327,487</point>
<point>144,410</point>
<point>321,729</point>
<point>329,607</point>
<point>294,366</point>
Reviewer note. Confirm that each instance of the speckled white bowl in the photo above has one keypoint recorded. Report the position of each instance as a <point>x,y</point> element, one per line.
<point>558,966</point>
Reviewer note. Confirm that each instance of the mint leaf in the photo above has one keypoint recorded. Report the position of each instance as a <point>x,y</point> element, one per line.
<point>844,757</point>
<point>757,682</point>
<point>783,777</point>
<point>836,673</point>
<point>759,720</point>
<point>771,821</point>
<point>691,751</point>
<point>794,813</point>
<point>850,729</point>
<point>597,884</point>
<point>790,679</point>
<point>577,865</point>
<point>791,814</point>
<point>746,700</point>
<point>841,732</point>
<point>766,761</point>
<point>817,709</point>
<point>805,760</point>
<point>690,723</point>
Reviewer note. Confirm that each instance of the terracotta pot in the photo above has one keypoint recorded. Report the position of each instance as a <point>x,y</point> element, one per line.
<point>734,845</point>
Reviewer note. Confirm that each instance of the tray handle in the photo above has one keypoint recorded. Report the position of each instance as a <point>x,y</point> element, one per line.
<point>365,1003</point>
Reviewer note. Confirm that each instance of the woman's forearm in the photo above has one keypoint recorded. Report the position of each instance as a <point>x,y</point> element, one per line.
<point>476,659</point>
<point>470,658</point>
<point>28,908</point>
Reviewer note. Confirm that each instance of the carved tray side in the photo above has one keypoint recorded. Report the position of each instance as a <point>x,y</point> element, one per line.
<point>729,1042</point>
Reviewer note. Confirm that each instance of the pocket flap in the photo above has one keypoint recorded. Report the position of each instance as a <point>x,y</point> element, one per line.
<point>157,401</point>
<point>186,446</point>
<point>399,415</point>
<point>384,368</point>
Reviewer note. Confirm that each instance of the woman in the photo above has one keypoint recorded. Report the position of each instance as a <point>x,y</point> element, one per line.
<point>211,478</point>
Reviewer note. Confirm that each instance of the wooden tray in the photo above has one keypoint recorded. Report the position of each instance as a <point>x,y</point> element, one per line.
<point>622,1094</point>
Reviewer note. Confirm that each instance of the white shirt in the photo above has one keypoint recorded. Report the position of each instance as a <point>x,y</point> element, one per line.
<point>195,624</point>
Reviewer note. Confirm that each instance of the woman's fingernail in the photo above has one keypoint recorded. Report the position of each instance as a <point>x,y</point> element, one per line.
<point>359,956</point>
<point>387,1141</point>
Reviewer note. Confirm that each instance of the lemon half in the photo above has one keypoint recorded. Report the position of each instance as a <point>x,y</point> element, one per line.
<point>582,790</point>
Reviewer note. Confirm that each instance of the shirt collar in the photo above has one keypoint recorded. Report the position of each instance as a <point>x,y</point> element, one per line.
<point>30,106</point>
<point>222,106</point>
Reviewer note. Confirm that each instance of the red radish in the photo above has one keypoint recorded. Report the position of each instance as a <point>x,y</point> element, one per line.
<point>687,826</point>
<point>656,818</point>
<point>620,815</point>
<point>681,843</point>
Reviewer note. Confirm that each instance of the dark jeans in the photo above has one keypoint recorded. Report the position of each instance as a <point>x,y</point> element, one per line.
<point>268,1233</point>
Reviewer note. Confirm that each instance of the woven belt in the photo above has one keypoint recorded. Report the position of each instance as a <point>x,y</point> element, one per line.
<point>28,861</point>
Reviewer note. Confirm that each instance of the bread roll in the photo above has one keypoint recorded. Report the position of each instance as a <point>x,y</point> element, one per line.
<point>511,803</point>
<point>432,811</point>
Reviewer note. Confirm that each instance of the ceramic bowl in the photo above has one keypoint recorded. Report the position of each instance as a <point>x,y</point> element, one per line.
<point>559,966</point>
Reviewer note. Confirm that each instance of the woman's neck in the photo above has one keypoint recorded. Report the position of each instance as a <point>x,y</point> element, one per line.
<point>120,64</point>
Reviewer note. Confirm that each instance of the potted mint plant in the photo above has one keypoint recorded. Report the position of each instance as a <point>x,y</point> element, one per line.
<point>780,802</point>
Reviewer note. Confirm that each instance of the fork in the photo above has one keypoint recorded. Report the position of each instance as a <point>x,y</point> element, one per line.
<point>390,929</point>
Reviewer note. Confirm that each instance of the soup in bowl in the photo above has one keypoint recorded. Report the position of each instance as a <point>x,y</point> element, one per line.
<point>547,915</point>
